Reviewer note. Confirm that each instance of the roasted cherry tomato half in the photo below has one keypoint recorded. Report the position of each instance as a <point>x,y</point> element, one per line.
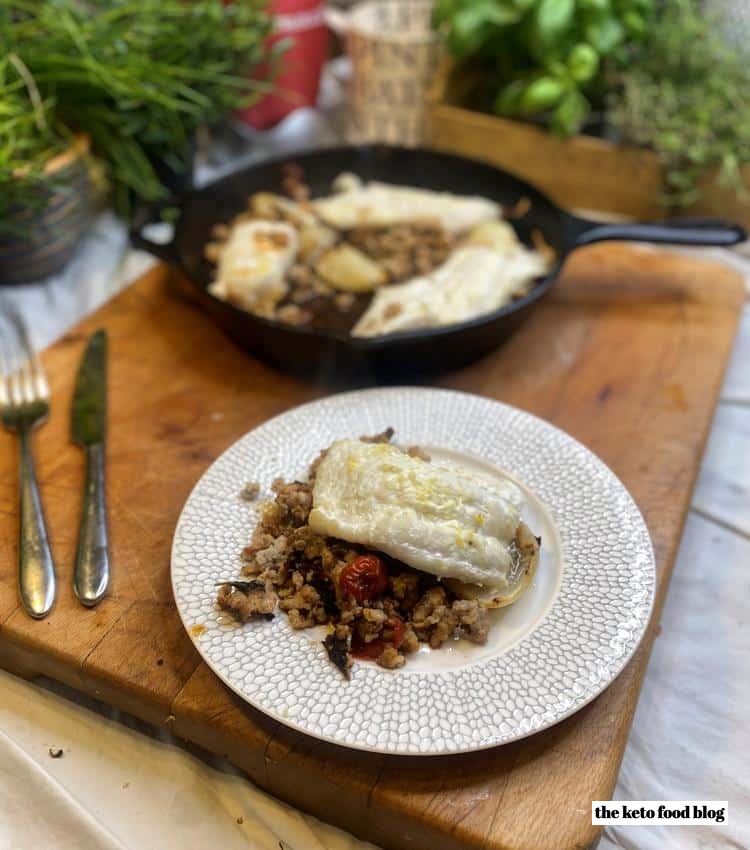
<point>365,579</point>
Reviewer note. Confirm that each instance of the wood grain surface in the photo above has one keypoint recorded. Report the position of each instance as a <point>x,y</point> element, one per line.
<point>627,354</point>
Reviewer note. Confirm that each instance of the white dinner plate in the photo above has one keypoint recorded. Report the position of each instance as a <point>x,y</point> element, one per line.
<point>547,655</point>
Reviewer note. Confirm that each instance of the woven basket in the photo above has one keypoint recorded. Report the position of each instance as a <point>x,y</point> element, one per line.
<point>394,54</point>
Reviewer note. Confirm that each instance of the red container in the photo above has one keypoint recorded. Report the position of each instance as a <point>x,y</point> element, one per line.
<point>302,22</point>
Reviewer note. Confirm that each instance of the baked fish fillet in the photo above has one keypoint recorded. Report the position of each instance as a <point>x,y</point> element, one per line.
<point>473,281</point>
<point>377,204</point>
<point>253,263</point>
<point>444,521</point>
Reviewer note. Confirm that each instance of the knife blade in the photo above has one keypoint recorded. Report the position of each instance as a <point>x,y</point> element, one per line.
<point>88,429</point>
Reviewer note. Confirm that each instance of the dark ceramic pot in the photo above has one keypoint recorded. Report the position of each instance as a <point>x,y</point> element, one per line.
<point>43,236</point>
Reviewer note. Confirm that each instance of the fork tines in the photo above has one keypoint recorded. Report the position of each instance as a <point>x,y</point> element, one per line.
<point>25,381</point>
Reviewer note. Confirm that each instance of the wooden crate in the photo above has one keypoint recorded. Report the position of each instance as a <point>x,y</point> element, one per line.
<point>582,172</point>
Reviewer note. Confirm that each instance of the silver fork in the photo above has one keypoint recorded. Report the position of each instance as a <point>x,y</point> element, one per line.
<point>24,404</point>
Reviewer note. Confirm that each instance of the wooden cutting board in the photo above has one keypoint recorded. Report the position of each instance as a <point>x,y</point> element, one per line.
<point>626,354</point>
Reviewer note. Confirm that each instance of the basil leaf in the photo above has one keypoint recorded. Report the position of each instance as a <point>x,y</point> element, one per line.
<point>472,25</point>
<point>552,19</point>
<point>508,100</point>
<point>547,27</point>
<point>605,33</point>
<point>542,94</point>
<point>583,63</point>
<point>570,113</point>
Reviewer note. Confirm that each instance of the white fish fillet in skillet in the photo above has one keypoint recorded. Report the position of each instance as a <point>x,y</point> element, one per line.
<point>376,204</point>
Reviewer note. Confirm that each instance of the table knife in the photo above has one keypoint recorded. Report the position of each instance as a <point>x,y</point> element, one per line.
<point>88,427</point>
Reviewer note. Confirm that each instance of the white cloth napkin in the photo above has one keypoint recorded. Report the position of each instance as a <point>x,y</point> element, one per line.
<point>120,785</point>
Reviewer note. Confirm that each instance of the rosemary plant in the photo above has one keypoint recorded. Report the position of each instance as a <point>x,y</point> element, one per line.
<point>137,76</point>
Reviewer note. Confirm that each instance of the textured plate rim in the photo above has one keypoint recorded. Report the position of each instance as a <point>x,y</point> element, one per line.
<point>613,670</point>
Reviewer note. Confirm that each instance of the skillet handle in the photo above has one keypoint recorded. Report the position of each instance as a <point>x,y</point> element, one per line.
<point>709,232</point>
<point>150,215</point>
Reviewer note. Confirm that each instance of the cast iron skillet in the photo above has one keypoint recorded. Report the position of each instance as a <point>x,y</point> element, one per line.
<point>327,351</point>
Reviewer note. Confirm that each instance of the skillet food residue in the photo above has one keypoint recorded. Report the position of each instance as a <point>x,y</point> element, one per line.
<point>386,258</point>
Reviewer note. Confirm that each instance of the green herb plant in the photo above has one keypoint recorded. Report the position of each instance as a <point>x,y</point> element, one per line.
<point>686,95</point>
<point>540,57</point>
<point>29,139</point>
<point>137,76</point>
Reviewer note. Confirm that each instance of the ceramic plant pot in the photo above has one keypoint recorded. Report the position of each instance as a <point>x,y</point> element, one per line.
<point>39,238</point>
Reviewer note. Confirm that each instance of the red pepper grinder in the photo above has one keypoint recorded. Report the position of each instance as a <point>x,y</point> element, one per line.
<point>296,85</point>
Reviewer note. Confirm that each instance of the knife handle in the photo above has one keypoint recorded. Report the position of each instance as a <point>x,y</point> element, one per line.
<point>91,576</point>
<point>36,570</point>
